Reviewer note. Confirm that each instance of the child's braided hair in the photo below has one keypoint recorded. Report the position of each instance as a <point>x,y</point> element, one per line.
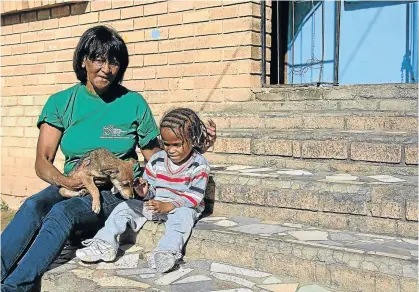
<point>189,126</point>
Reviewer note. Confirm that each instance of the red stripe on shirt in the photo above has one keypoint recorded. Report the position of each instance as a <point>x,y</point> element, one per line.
<point>148,172</point>
<point>181,179</point>
<point>190,199</point>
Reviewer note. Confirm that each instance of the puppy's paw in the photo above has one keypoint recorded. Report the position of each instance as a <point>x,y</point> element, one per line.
<point>96,207</point>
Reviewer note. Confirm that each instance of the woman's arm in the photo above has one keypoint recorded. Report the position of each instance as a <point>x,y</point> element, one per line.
<point>148,150</point>
<point>48,141</point>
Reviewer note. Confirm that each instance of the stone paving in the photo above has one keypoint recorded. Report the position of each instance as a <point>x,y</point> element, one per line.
<point>130,273</point>
<point>361,243</point>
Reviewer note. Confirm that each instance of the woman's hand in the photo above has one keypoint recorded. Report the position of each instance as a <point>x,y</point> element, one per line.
<point>159,207</point>
<point>73,183</point>
<point>141,187</point>
<point>211,135</point>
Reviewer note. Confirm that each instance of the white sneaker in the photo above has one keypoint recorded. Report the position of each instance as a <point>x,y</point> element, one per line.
<point>96,250</point>
<point>165,261</point>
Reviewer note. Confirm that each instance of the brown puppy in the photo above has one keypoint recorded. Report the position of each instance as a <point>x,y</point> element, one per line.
<point>103,164</point>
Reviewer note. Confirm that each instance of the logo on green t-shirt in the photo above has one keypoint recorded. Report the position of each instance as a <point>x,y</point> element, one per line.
<point>111,132</point>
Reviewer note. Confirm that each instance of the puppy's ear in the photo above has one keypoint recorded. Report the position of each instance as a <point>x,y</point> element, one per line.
<point>132,161</point>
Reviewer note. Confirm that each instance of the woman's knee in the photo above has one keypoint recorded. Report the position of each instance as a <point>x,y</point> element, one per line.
<point>41,202</point>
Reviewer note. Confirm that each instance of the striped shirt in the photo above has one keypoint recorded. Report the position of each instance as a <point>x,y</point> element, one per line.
<point>183,187</point>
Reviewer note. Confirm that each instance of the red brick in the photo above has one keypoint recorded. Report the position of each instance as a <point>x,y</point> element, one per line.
<point>238,24</point>
<point>164,34</point>
<point>123,25</point>
<point>89,18</point>
<point>11,19</point>
<point>100,5</point>
<point>19,49</point>
<point>77,31</point>
<point>205,4</point>
<point>29,59</point>
<point>156,59</point>
<point>5,30</point>
<point>181,31</point>
<point>63,33</point>
<point>11,39</point>
<point>6,51</point>
<point>170,45</point>
<point>66,78</point>
<point>110,15</point>
<point>80,8</point>
<point>155,8</point>
<point>135,85</point>
<point>207,55</point>
<point>133,36</point>
<point>169,19</point>
<point>145,22</point>
<point>168,72</point>
<point>35,26</point>
<point>30,80</point>
<point>146,48</point>
<point>28,16</point>
<point>224,12</point>
<point>136,61</point>
<point>60,11</point>
<point>36,47</point>
<point>24,100</point>
<point>47,79</point>
<point>179,58</point>
<point>21,27</point>
<point>65,55</point>
<point>214,27</point>
<point>195,69</point>
<point>156,84</point>
<point>144,73</point>
<point>131,12</point>
<point>51,23</point>
<point>176,6</point>
<point>69,21</point>
<point>120,3</point>
<point>182,83</point>
<point>196,16</point>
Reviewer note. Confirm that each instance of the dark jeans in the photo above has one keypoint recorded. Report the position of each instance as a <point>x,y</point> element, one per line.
<point>39,230</point>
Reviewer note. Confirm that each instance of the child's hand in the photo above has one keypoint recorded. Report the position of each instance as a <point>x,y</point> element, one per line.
<point>159,207</point>
<point>141,187</point>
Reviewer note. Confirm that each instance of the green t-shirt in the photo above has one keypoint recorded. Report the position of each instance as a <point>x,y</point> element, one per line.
<point>88,122</point>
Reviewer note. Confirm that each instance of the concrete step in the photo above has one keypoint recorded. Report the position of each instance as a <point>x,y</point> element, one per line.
<point>372,92</point>
<point>324,165</point>
<point>344,120</point>
<point>375,203</point>
<point>343,260</point>
<point>393,148</point>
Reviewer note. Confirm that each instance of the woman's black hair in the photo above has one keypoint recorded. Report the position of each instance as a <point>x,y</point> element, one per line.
<point>100,42</point>
<point>186,125</point>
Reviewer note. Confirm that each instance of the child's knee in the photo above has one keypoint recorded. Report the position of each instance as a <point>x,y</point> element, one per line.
<point>184,216</point>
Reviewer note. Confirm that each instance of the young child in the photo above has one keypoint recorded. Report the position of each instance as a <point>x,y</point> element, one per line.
<point>172,187</point>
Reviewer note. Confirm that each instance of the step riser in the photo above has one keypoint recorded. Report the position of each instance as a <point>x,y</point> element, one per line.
<point>365,199</point>
<point>406,106</point>
<point>340,123</point>
<point>394,153</point>
<point>313,165</point>
<point>356,223</point>
<point>340,269</point>
<point>387,92</point>
<point>408,124</point>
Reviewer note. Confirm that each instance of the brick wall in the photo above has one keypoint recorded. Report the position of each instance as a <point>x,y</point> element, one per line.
<point>192,53</point>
